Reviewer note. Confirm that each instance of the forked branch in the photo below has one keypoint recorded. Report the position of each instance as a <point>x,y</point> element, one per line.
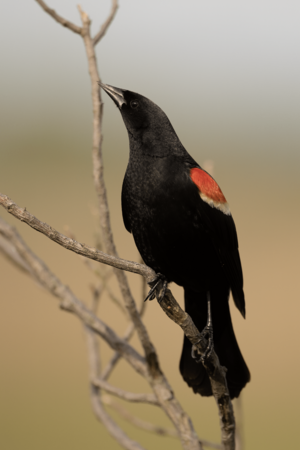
<point>170,307</point>
<point>69,302</point>
<point>64,22</point>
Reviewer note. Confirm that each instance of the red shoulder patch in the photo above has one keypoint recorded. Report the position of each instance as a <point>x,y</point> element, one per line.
<point>207,185</point>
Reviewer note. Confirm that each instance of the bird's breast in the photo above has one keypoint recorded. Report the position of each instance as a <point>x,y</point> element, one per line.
<point>161,206</point>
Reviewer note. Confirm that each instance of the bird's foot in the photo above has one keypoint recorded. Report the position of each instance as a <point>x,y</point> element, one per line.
<point>151,294</point>
<point>207,332</point>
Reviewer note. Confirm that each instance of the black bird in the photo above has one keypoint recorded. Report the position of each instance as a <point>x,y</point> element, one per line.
<point>183,229</point>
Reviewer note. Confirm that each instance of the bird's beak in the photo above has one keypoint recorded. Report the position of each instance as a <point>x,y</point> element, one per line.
<point>115,93</point>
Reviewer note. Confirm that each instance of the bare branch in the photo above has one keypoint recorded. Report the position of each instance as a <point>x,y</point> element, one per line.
<point>104,275</point>
<point>129,396</point>
<point>106,24</point>
<point>127,336</point>
<point>97,133</point>
<point>114,429</point>
<point>115,358</point>
<point>216,372</point>
<point>71,244</point>
<point>47,279</point>
<point>96,294</point>
<point>59,19</point>
<point>70,302</point>
<point>137,421</point>
<point>99,382</point>
<point>149,426</point>
<point>158,382</point>
<point>116,301</point>
<point>92,253</point>
<point>9,251</point>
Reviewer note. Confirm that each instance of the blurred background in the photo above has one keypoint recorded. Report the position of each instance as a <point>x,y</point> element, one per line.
<point>227,75</point>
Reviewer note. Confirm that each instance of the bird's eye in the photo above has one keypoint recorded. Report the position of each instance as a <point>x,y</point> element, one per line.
<point>134,104</point>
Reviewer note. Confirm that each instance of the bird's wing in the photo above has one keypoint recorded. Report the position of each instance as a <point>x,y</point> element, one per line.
<point>217,220</point>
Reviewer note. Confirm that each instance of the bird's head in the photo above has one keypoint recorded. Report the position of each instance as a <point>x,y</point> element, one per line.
<point>147,125</point>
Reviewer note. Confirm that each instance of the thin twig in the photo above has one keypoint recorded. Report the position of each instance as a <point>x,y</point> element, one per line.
<point>94,364</point>
<point>125,395</point>
<point>70,302</point>
<point>149,426</point>
<point>116,301</point>
<point>106,24</point>
<point>104,275</point>
<point>96,294</point>
<point>12,238</point>
<point>8,250</point>
<point>59,19</point>
<point>116,356</point>
<point>137,421</point>
<point>97,133</point>
<point>127,336</point>
<point>70,244</point>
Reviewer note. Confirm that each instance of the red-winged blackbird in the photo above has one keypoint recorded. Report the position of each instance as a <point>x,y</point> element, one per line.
<point>183,229</point>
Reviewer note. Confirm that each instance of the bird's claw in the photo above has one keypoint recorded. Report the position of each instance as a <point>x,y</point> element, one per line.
<point>207,331</point>
<point>163,291</point>
<point>155,282</point>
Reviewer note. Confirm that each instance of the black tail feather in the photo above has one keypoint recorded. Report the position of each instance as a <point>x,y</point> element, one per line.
<point>225,344</point>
